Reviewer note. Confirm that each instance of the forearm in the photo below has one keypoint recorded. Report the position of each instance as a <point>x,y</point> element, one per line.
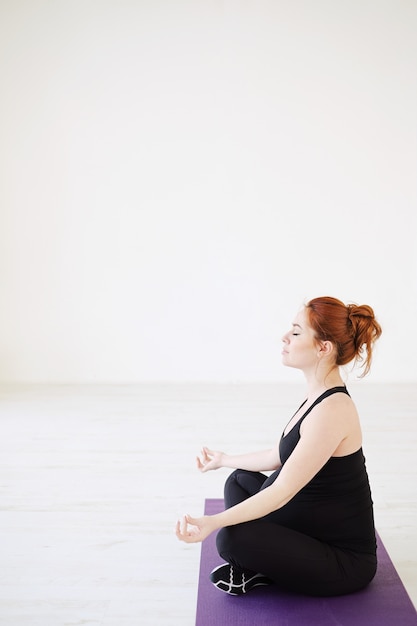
<point>261,461</point>
<point>255,507</point>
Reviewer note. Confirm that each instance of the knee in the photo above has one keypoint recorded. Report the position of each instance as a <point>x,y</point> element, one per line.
<point>250,482</point>
<point>232,478</point>
<point>230,543</point>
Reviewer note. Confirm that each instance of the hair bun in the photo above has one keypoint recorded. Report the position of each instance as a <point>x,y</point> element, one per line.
<point>365,328</point>
<point>362,310</point>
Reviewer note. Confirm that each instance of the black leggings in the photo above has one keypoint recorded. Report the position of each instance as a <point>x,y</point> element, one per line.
<point>293,560</point>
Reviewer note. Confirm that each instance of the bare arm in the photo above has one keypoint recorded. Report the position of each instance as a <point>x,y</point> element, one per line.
<point>261,461</point>
<point>321,437</point>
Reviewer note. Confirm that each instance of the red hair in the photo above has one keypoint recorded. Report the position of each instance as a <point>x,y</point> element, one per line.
<point>352,329</point>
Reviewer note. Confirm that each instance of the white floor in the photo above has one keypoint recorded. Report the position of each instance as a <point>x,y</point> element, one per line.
<point>92,480</point>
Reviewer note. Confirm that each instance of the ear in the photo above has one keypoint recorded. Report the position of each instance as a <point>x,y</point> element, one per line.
<point>325,348</point>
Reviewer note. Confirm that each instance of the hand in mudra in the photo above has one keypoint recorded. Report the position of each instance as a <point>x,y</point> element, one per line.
<point>194,529</point>
<point>210,460</point>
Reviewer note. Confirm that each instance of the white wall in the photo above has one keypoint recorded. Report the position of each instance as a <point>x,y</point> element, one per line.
<point>179,176</point>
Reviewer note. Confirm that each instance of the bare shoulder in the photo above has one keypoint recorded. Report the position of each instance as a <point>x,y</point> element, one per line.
<point>336,411</point>
<point>338,404</point>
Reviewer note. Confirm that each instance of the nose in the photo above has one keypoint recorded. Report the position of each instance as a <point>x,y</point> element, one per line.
<point>285,337</point>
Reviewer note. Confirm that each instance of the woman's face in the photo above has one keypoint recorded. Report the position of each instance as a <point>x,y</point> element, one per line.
<point>300,347</point>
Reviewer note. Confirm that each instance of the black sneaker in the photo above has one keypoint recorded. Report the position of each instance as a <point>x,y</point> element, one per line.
<point>235,581</point>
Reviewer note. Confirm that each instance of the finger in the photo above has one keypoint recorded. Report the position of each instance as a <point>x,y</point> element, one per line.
<point>178,530</point>
<point>191,520</point>
<point>184,525</point>
<point>201,463</point>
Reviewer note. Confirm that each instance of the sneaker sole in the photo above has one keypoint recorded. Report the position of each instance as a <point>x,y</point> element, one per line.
<point>227,587</point>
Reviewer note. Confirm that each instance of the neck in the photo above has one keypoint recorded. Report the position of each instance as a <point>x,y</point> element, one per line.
<point>317,384</point>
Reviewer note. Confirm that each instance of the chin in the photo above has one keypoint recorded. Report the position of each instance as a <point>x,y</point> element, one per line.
<point>292,365</point>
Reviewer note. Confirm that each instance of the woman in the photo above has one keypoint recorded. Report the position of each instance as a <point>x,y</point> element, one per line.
<point>309,526</point>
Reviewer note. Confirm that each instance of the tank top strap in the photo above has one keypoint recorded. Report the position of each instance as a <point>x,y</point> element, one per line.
<point>326,394</point>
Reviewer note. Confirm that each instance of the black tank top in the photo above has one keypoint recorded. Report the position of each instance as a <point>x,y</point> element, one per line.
<point>290,440</point>
<point>336,505</point>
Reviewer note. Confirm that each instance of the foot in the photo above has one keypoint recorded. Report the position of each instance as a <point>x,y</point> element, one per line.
<point>235,581</point>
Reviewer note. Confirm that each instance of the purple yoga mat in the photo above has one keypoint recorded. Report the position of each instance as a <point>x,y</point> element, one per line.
<point>384,602</point>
